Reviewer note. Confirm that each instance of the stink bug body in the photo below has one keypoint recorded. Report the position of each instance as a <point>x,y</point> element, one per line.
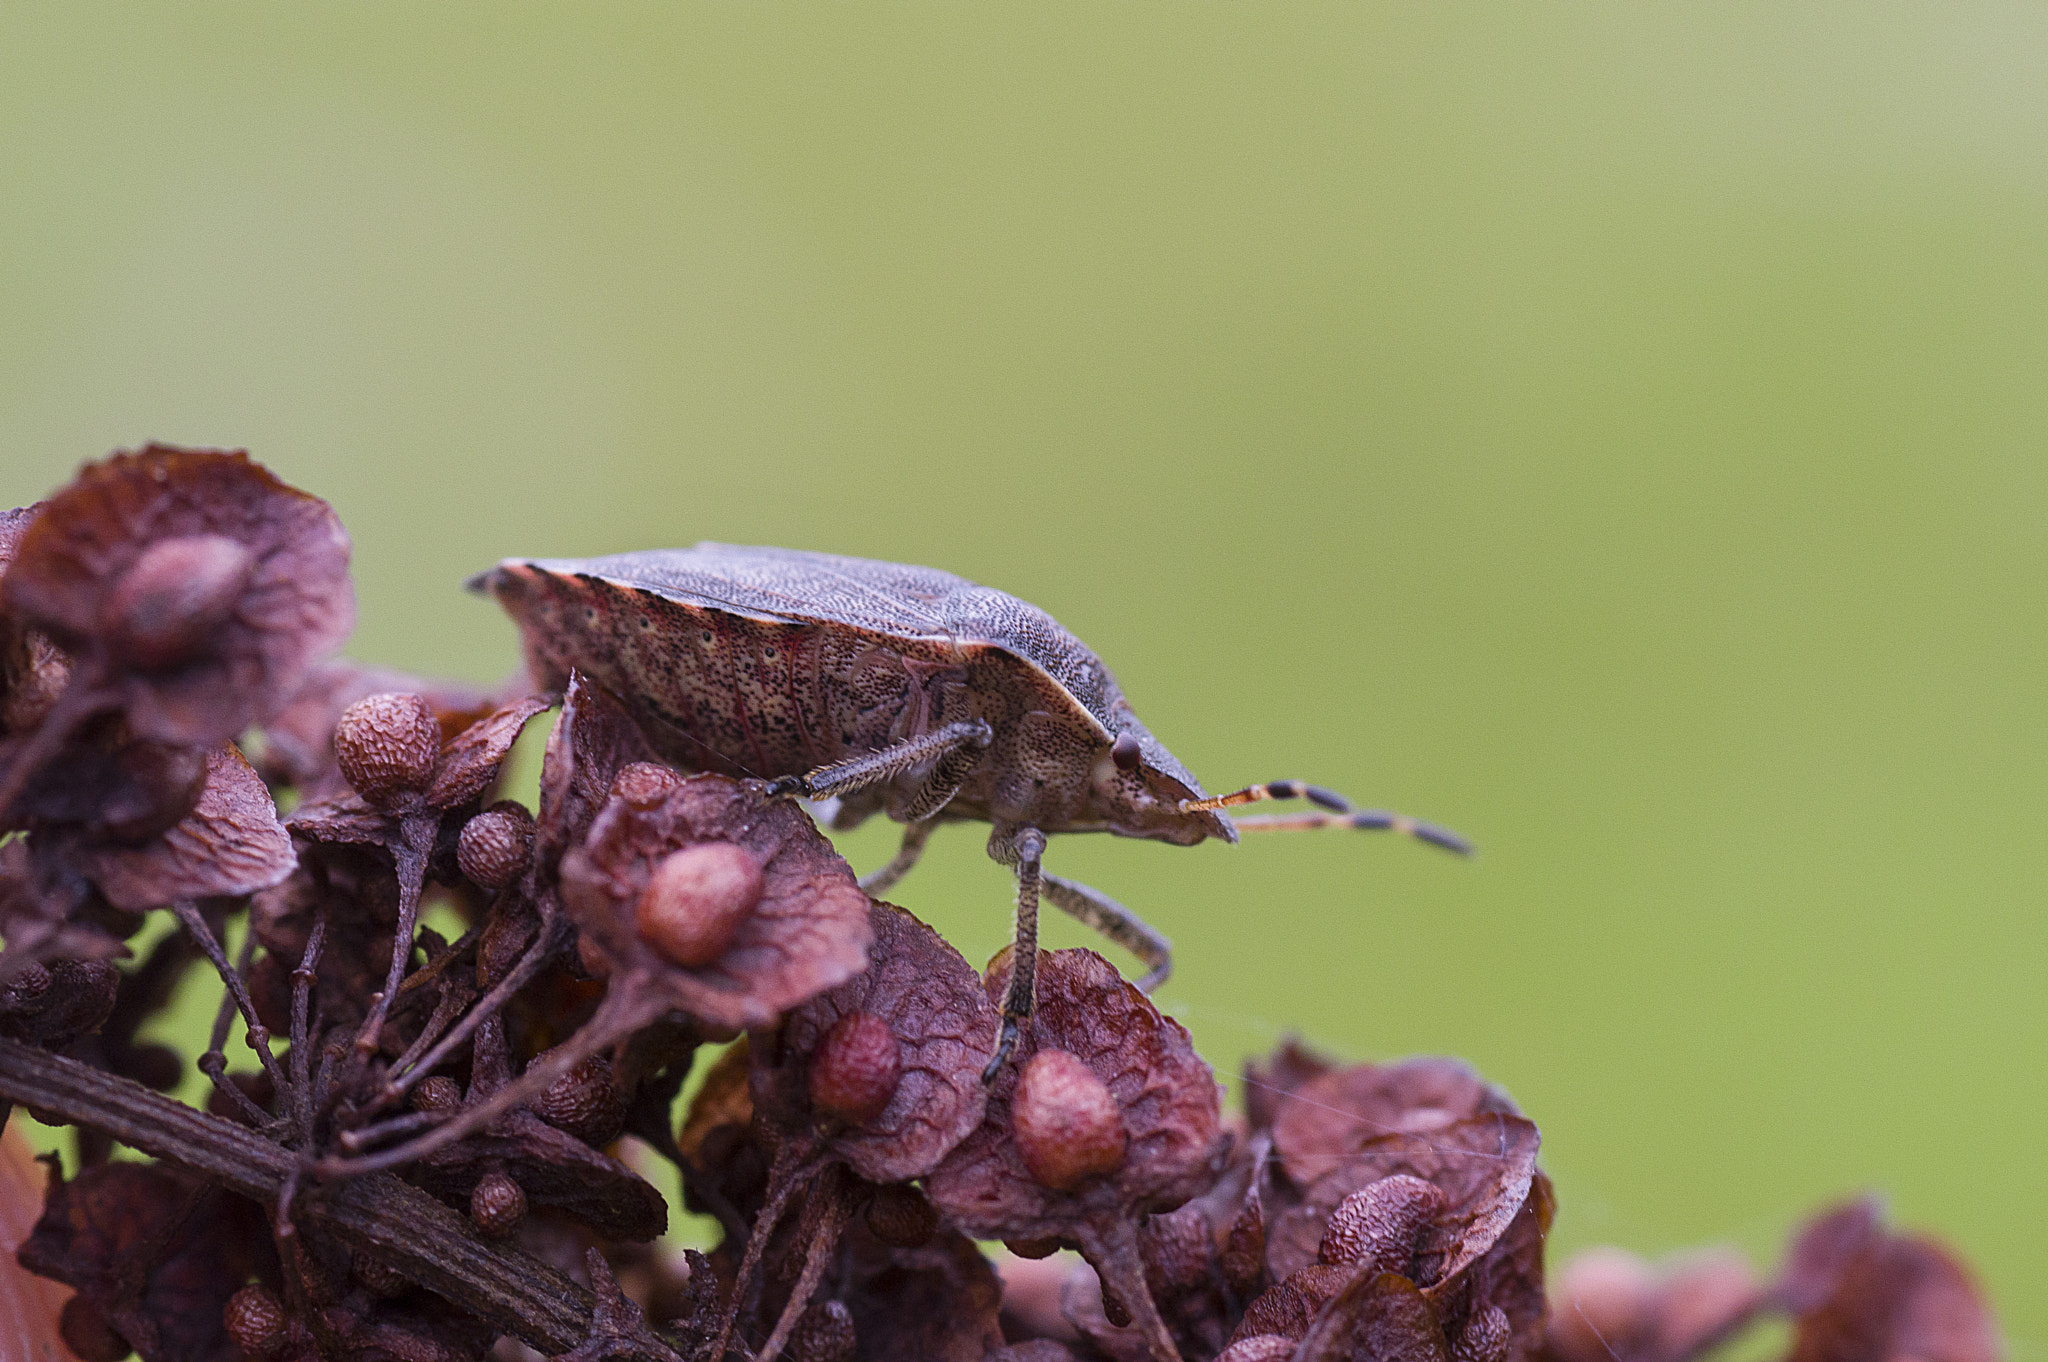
<point>893,689</point>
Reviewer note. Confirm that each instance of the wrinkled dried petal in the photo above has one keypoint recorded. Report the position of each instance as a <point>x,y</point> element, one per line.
<point>808,932</point>
<point>943,1030</point>
<point>1166,1095</point>
<point>823,1334</point>
<point>230,844</point>
<point>939,1302</point>
<point>1485,1165</point>
<point>591,744</point>
<point>1259,1348</point>
<point>471,762</point>
<point>1333,1114</point>
<point>203,586</point>
<point>1380,1316</point>
<point>1268,1082</point>
<point>1886,1295</point>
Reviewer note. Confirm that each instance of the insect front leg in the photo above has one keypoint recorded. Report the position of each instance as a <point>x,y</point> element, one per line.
<point>1022,848</point>
<point>882,880</point>
<point>1340,813</point>
<point>1118,923</point>
<point>872,768</point>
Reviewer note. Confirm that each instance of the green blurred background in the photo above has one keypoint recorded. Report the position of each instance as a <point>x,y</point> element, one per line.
<point>1614,430</point>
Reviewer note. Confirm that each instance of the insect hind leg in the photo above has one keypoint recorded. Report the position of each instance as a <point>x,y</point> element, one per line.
<point>1337,812</point>
<point>1116,922</point>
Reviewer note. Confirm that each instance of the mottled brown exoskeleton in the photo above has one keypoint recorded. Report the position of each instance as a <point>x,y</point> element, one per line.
<point>891,688</point>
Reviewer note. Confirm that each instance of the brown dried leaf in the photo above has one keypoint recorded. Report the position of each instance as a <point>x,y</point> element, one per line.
<point>230,844</point>
<point>945,1032</point>
<point>1861,1292</point>
<point>1327,1117</point>
<point>293,605</point>
<point>807,933</point>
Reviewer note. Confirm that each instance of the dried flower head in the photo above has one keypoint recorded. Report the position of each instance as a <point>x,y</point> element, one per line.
<point>196,587</point>
<point>807,931</point>
<point>1856,1290</point>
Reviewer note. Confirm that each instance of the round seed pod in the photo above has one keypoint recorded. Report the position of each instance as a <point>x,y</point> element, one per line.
<point>584,1102</point>
<point>386,746</point>
<point>823,1333</point>
<point>255,1319</point>
<point>695,900</point>
<point>495,845</point>
<point>1379,1223</point>
<point>645,784</point>
<point>1066,1121</point>
<point>165,608</point>
<point>901,1216</point>
<point>497,1205</point>
<point>1485,1337</point>
<point>855,1069</point>
<point>439,1093</point>
<point>1259,1348</point>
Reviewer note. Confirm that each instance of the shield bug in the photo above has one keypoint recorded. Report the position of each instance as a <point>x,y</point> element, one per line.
<point>887,688</point>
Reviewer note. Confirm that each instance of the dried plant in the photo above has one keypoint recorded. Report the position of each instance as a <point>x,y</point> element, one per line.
<point>423,1163</point>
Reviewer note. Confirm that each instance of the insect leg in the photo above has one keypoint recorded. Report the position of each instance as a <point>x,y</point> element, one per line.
<point>882,880</point>
<point>872,768</point>
<point>1341,814</point>
<point>1116,922</point>
<point>1022,848</point>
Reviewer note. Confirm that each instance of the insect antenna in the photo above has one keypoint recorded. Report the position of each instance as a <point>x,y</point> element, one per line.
<point>1339,812</point>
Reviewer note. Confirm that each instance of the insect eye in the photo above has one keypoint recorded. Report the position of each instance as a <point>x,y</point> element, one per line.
<point>1124,752</point>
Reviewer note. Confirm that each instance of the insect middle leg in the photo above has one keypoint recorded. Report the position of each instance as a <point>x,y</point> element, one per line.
<point>1118,923</point>
<point>1022,848</point>
<point>1340,813</point>
<point>882,879</point>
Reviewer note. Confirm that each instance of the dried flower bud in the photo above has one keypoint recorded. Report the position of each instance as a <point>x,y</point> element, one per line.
<point>1067,1124</point>
<point>902,1216</point>
<point>24,992</point>
<point>494,846</point>
<point>645,784</point>
<point>380,1277</point>
<point>387,745</point>
<point>1379,1223</point>
<point>497,1205</point>
<point>439,1093</point>
<point>88,1334</point>
<point>856,1067</point>
<point>165,608</point>
<point>1034,1248</point>
<point>1259,1348</point>
<point>823,1334</point>
<point>584,1102</point>
<point>1484,1338</point>
<point>695,901</point>
<point>255,1319</point>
